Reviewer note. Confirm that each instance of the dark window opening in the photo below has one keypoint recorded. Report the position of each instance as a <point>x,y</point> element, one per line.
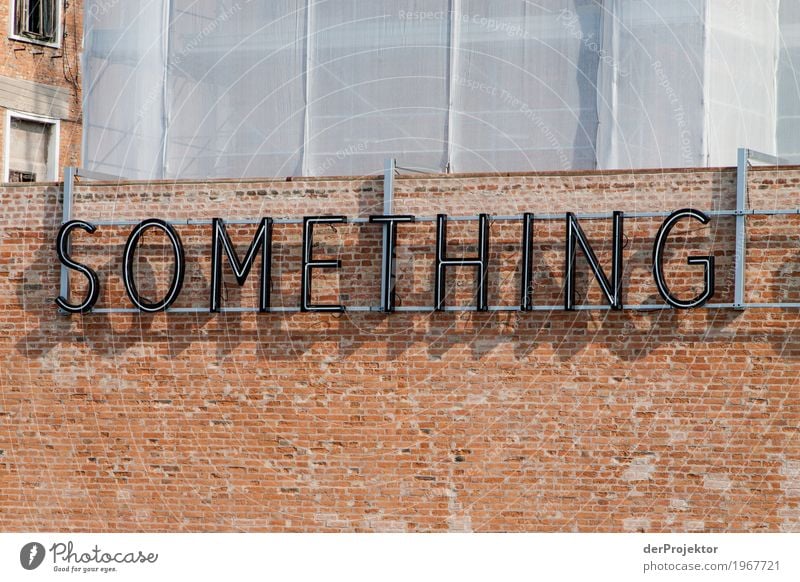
<point>36,19</point>
<point>19,176</point>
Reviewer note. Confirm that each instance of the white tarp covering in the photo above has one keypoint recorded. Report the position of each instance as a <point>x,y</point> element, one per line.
<point>377,79</point>
<point>235,88</point>
<point>524,88</point>
<point>651,104</point>
<point>788,134</point>
<point>123,87</point>
<point>743,50</point>
<point>240,88</point>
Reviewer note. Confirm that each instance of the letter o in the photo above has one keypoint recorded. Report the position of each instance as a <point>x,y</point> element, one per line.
<point>177,273</point>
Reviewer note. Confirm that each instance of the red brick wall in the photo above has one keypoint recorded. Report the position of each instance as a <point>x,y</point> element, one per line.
<point>545,421</point>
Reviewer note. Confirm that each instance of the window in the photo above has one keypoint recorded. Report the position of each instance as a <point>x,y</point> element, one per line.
<point>16,176</point>
<point>36,20</point>
<point>31,150</point>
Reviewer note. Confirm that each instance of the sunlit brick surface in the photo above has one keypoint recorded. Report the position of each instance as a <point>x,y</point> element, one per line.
<point>501,421</point>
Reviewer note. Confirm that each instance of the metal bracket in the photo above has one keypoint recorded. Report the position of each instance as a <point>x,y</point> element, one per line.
<point>743,158</point>
<point>66,216</point>
<point>390,168</point>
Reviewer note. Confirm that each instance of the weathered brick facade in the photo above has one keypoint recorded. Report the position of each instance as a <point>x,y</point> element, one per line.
<point>57,67</point>
<point>499,421</point>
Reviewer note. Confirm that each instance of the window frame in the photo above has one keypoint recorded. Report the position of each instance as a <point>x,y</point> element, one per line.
<point>59,32</point>
<point>52,151</point>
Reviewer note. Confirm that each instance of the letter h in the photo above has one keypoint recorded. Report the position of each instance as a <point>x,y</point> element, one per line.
<point>481,261</point>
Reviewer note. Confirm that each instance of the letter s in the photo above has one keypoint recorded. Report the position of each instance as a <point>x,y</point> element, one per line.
<point>62,249</point>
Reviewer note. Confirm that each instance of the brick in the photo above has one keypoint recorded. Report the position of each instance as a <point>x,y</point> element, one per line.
<point>582,421</point>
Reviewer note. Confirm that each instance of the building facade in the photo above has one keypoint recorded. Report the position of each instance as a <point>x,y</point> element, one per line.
<point>644,418</point>
<point>554,420</point>
<point>40,88</point>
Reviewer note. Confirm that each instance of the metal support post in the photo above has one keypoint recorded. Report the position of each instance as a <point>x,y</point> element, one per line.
<point>741,234</point>
<point>388,199</point>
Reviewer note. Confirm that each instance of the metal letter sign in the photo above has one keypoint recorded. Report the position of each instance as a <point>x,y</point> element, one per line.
<point>481,261</point>
<point>221,245</point>
<point>177,272</point>
<point>261,242</point>
<point>658,261</point>
<point>526,287</point>
<point>575,234</point>
<point>309,263</point>
<point>389,271</point>
<point>62,249</point>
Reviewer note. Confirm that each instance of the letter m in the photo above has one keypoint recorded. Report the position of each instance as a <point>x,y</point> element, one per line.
<point>241,269</point>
